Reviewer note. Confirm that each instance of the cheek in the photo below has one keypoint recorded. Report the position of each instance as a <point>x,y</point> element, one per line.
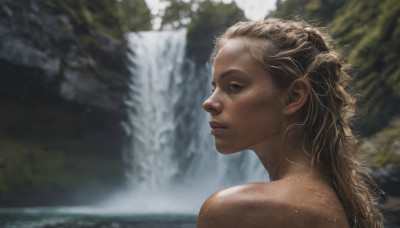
<point>261,114</point>
<point>260,104</point>
<point>252,119</point>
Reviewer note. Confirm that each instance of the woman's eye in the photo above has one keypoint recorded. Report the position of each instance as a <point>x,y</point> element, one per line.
<point>235,87</point>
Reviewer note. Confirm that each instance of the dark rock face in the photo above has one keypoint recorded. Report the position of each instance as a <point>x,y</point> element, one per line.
<point>388,178</point>
<point>42,38</point>
<point>383,153</point>
<point>61,93</point>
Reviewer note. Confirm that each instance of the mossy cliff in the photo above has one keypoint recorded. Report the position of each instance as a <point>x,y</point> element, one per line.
<point>382,152</point>
<point>368,34</point>
<point>62,85</point>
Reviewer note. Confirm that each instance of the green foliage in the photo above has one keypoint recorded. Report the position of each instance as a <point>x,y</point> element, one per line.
<point>24,163</point>
<point>45,151</point>
<point>94,16</point>
<point>103,17</point>
<point>34,168</point>
<point>370,33</point>
<point>371,30</point>
<point>100,27</point>
<point>312,10</point>
<point>134,15</point>
<point>177,14</point>
<point>383,148</point>
<point>210,20</point>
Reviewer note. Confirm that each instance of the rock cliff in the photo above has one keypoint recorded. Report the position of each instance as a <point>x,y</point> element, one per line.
<point>62,87</point>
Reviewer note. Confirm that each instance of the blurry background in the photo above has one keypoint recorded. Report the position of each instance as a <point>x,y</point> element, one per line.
<point>66,76</point>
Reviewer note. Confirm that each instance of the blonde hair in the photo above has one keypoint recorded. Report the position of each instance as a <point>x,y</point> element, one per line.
<point>292,49</point>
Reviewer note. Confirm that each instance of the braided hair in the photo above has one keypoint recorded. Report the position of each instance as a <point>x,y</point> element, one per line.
<point>293,49</point>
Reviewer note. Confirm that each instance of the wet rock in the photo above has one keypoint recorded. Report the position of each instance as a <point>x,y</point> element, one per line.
<point>42,36</point>
<point>382,152</point>
<point>61,92</point>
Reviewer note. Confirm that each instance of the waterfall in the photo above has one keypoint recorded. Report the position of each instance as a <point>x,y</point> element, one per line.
<point>174,166</point>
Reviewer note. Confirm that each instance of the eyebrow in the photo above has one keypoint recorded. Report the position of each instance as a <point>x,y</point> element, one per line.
<point>227,73</point>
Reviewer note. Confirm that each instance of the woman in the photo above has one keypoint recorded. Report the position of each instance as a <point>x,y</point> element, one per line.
<point>279,91</point>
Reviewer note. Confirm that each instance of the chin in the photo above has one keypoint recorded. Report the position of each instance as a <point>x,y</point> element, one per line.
<point>226,149</point>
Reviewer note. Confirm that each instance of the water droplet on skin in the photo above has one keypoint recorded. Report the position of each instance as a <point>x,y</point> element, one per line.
<point>333,220</point>
<point>318,194</point>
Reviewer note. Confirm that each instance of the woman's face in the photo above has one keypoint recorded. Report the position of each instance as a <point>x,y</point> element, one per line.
<point>245,111</point>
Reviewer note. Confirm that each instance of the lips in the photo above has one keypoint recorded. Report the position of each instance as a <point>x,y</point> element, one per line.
<point>217,128</point>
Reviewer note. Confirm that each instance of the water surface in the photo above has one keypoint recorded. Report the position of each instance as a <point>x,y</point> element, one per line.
<point>80,217</point>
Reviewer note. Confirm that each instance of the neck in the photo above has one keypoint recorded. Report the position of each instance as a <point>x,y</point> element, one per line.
<point>283,161</point>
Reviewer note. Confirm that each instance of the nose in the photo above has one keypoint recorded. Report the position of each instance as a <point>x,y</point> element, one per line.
<point>212,105</point>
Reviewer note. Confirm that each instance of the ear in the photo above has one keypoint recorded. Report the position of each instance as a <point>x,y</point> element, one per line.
<point>296,95</point>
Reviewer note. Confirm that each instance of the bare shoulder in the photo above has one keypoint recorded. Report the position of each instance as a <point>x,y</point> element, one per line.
<point>271,204</point>
<point>231,207</point>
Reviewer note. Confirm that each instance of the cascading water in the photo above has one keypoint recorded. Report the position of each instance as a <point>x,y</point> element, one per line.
<point>174,165</point>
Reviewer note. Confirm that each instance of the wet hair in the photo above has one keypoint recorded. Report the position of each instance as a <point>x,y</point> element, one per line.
<point>289,50</point>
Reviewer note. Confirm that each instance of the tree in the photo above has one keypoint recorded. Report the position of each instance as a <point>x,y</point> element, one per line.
<point>209,20</point>
<point>134,15</point>
<point>321,10</point>
<point>178,14</point>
